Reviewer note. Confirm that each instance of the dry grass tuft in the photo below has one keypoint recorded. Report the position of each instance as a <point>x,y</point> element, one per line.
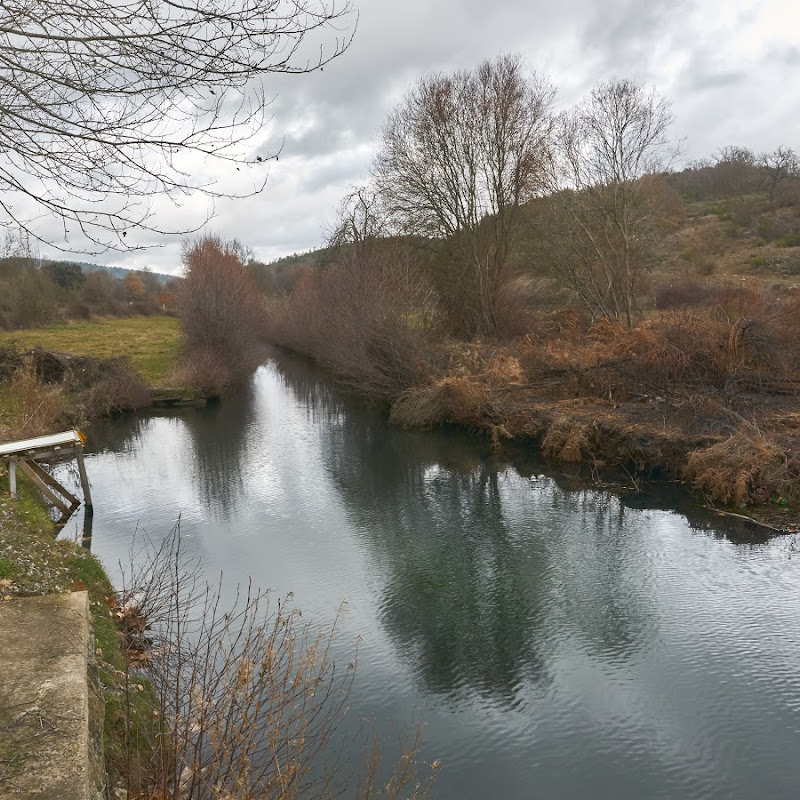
<point>747,468</point>
<point>33,408</point>
<point>205,369</point>
<point>566,440</point>
<point>118,389</point>
<point>452,399</point>
<point>503,369</point>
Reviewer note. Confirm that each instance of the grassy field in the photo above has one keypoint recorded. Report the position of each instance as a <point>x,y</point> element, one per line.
<point>152,343</point>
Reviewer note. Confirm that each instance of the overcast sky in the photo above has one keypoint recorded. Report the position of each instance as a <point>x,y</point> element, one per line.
<point>730,67</point>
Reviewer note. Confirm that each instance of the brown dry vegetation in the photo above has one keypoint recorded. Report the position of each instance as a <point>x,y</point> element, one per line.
<point>367,317</point>
<point>42,390</point>
<point>702,387</point>
<point>221,315</point>
<point>684,394</point>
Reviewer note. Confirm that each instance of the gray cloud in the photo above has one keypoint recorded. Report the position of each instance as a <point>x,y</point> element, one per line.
<point>728,72</point>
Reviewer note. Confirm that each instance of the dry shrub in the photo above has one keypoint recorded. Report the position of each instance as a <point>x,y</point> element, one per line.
<point>502,370</point>
<point>119,389</point>
<point>368,325</point>
<point>767,343</point>
<point>452,399</point>
<point>417,408</point>
<point>703,244</point>
<point>567,323</point>
<point>35,408</point>
<point>539,358</point>
<point>747,468</point>
<point>744,299</point>
<point>219,305</point>
<point>605,330</point>
<point>513,317</point>
<point>10,360</point>
<point>679,350</point>
<point>204,369</point>
<point>566,440</point>
<point>665,355</point>
<point>245,699</point>
<point>686,294</point>
<point>463,400</point>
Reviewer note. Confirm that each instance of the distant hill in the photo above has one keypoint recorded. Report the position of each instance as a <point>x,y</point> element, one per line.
<point>310,258</point>
<point>115,272</point>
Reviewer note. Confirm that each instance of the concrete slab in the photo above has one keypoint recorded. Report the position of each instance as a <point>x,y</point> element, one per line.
<point>46,750</point>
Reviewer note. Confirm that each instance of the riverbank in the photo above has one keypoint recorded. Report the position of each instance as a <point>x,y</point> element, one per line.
<point>678,397</point>
<point>66,375</point>
<point>34,563</point>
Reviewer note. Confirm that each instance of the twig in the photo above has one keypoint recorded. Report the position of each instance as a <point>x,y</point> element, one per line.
<point>746,518</point>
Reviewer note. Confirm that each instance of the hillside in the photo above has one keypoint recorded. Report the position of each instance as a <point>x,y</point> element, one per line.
<point>118,272</point>
<point>698,378</point>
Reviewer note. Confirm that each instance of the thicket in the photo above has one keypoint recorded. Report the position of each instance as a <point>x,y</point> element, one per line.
<point>221,313</point>
<point>41,391</point>
<point>34,295</point>
<point>660,302</point>
<point>368,314</point>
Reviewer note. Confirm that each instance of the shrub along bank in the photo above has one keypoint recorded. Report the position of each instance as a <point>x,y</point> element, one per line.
<point>706,394</point>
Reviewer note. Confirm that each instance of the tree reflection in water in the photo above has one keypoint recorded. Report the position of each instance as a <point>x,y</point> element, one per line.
<point>481,567</point>
<point>220,436</point>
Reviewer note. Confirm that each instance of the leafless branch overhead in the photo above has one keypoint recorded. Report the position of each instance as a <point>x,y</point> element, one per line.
<point>101,100</point>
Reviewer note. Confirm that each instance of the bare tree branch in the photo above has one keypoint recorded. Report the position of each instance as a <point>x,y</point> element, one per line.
<point>611,149</point>
<point>103,100</point>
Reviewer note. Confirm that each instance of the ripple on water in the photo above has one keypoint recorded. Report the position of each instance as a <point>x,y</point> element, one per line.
<point>556,643</point>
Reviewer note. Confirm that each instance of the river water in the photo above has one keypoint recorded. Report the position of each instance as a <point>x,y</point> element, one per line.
<point>556,642</point>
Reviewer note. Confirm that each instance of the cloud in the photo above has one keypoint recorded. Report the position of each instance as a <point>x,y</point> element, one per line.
<point>728,68</point>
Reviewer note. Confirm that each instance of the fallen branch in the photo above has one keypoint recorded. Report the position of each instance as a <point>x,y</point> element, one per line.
<point>746,518</point>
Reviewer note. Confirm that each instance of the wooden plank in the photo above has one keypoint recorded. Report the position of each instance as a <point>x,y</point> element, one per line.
<point>43,487</point>
<point>51,440</point>
<point>55,440</point>
<point>53,483</point>
<point>12,478</point>
<point>87,494</point>
<point>60,453</point>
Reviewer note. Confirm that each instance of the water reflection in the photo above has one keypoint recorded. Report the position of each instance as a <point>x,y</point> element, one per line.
<point>577,641</point>
<point>221,438</point>
<point>473,573</point>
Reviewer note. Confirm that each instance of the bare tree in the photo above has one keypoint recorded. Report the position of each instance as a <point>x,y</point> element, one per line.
<point>102,100</point>
<point>781,165</point>
<point>361,218</point>
<point>355,238</point>
<point>457,159</point>
<point>612,148</point>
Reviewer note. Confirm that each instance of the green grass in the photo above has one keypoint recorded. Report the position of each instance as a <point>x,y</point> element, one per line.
<point>152,343</point>
<point>790,240</point>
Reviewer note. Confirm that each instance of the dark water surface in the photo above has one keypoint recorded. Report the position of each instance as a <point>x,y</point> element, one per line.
<point>556,642</point>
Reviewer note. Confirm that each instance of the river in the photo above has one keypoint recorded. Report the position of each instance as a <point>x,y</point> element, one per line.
<point>555,641</point>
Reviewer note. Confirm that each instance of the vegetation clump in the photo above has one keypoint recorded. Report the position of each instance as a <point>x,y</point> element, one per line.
<point>221,315</point>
